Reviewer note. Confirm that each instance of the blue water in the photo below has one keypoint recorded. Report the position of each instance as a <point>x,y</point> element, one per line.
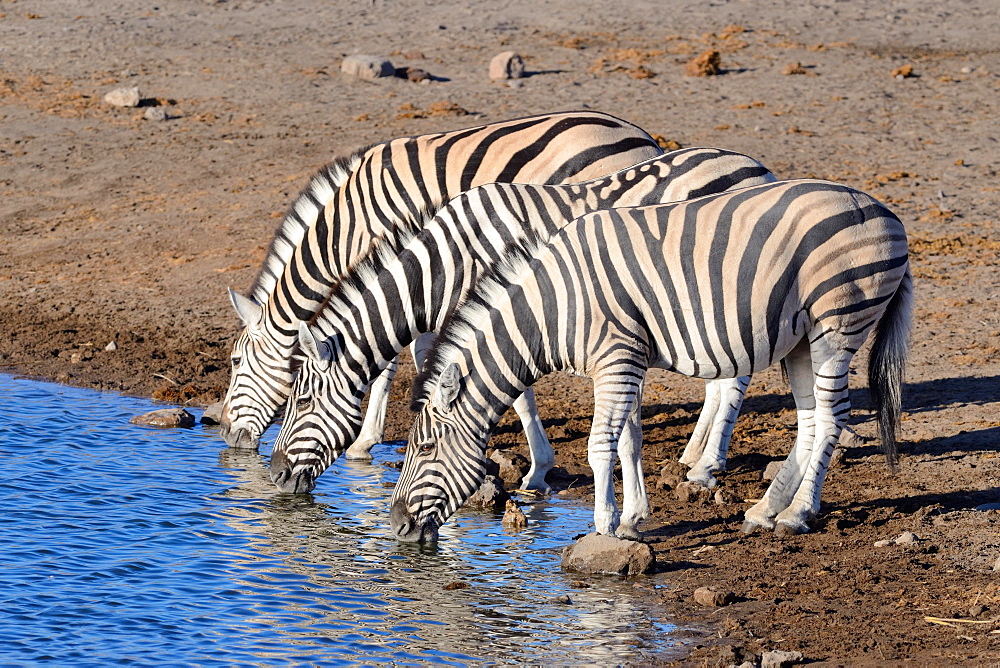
<point>129,544</point>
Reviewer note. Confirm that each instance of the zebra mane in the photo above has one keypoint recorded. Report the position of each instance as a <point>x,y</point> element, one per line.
<point>303,213</point>
<point>489,290</point>
<point>366,269</point>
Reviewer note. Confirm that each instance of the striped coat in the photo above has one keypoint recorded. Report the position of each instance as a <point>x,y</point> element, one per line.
<point>721,286</point>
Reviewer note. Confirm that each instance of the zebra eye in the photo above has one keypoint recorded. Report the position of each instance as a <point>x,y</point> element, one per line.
<point>302,402</point>
<point>425,448</point>
<point>236,361</point>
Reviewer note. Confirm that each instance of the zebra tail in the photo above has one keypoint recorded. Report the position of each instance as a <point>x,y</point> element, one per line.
<point>886,365</point>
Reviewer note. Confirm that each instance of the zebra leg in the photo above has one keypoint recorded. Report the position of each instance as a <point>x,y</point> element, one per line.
<point>782,489</point>
<point>833,407</point>
<point>729,394</point>
<point>635,505</point>
<point>373,428</point>
<point>614,398</point>
<point>542,456</point>
<point>699,437</point>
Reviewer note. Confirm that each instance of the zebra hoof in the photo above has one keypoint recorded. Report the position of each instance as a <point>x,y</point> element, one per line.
<point>628,533</point>
<point>787,529</point>
<point>360,452</point>
<point>752,526</point>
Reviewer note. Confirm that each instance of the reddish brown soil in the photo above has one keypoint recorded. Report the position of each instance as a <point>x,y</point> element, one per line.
<point>116,228</point>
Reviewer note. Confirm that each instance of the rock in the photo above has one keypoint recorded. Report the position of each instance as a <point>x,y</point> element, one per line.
<point>837,458</point>
<point>506,65</point>
<point>976,610</point>
<point>490,496</point>
<point>367,67</point>
<point>564,599</point>
<point>883,543</point>
<point>597,553</point>
<point>579,584</point>
<point>988,506</point>
<point>167,417</point>
<point>904,72</point>
<point>777,658</point>
<point>514,517</point>
<point>457,584</point>
<point>123,97</point>
<point>722,498</point>
<point>671,475</point>
<point>906,538</point>
<point>111,347</point>
<point>710,597</point>
<point>852,439</point>
<point>417,75</point>
<point>513,466</point>
<point>155,114</point>
<point>771,472</point>
<point>212,414</point>
<point>996,565</point>
<point>705,65</point>
<point>692,492</point>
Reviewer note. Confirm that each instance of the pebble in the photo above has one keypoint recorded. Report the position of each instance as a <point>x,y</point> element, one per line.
<point>771,472</point>
<point>111,347</point>
<point>155,114</point>
<point>691,492</point>
<point>167,417</point>
<point>490,496</point>
<point>123,97</point>
<point>457,584</point>
<point>506,65</point>
<point>777,658</point>
<point>564,599</point>
<point>996,565</point>
<point>711,597</point>
<point>212,414</point>
<point>513,466</point>
<point>905,538</point>
<point>514,517</point>
<point>367,67</point>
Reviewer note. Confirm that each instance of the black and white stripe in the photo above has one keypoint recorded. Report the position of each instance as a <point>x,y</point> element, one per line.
<point>372,192</point>
<point>721,286</point>
<point>412,281</point>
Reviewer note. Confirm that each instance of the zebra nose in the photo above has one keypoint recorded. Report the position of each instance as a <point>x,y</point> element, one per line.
<point>401,521</point>
<point>285,478</point>
<point>240,438</point>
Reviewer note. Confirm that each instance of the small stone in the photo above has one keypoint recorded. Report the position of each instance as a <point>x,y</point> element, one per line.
<point>123,97</point>
<point>707,64</point>
<point>579,584</point>
<point>976,610</point>
<point>883,543</point>
<point>988,506</point>
<point>597,553</point>
<point>168,417</point>
<point>671,475</point>
<point>491,495</point>
<point>996,565</point>
<point>514,517</point>
<point>564,599</point>
<point>111,347</point>
<point>506,65</point>
<point>711,597</point>
<point>906,538</point>
<point>771,472</point>
<point>513,466</point>
<point>691,492</point>
<point>367,67</point>
<point>457,584</point>
<point>721,498</point>
<point>417,75</point>
<point>212,414</point>
<point>155,114</point>
<point>837,458</point>
<point>777,658</point>
<point>904,71</point>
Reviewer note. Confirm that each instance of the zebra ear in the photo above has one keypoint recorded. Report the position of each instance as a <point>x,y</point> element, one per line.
<point>318,351</point>
<point>447,387</point>
<point>249,311</point>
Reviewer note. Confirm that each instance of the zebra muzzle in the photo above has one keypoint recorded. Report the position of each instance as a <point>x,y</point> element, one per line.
<point>405,527</point>
<point>287,479</point>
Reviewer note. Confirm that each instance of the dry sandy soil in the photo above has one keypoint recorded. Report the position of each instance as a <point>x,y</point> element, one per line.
<point>116,228</point>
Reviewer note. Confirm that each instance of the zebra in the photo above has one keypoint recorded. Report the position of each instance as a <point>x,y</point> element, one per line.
<point>365,195</point>
<point>716,287</point>
<point>412,281</point>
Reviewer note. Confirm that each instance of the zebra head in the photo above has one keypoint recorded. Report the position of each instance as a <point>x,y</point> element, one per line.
<point>260,381</point>
<point>445,464</point>
<point>323,416</point>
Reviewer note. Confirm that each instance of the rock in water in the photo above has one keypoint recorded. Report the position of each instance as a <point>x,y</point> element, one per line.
<point>168,417</point>
<point>506,65</point>
<point>490,496</point>
<point>597,553</point>
<point>514,517</point>
<point>123,97</point>
<point>212,414</point>
<point>367,67</point>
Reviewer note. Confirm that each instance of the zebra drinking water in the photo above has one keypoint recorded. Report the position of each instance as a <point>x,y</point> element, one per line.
<point>360,198</point>
<point>716,287</point>
<point>411,282</point>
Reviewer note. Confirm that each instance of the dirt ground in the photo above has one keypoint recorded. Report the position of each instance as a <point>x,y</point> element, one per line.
<point>117,228</point>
